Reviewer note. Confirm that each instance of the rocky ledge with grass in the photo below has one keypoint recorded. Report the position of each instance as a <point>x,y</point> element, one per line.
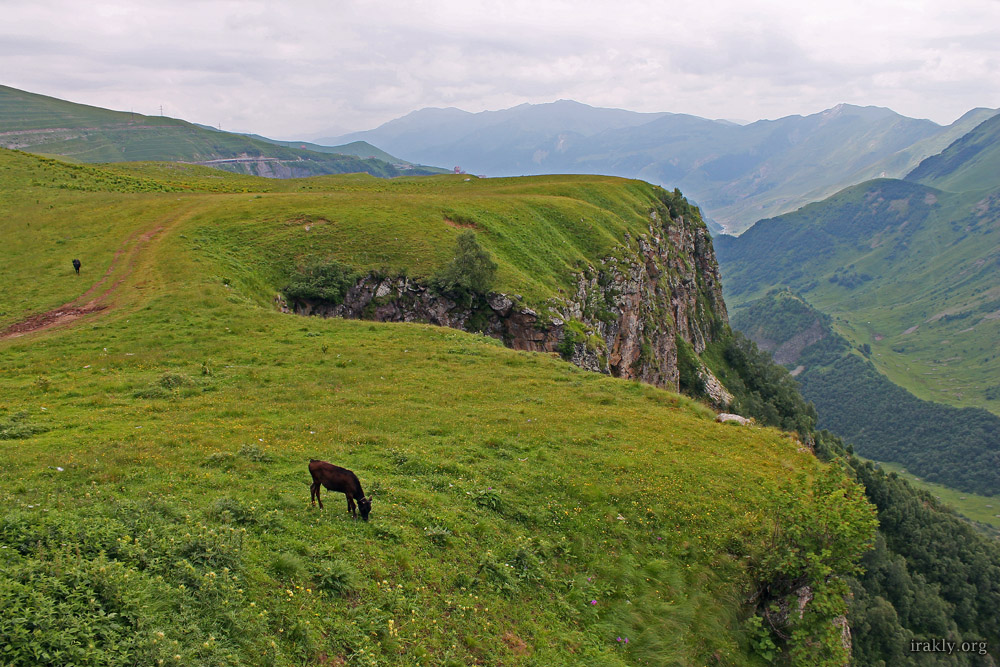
<point>625,319</point>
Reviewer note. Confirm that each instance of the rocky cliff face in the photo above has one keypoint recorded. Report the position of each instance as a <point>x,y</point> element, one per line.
<point>663,286</point>
<point>624,319</point>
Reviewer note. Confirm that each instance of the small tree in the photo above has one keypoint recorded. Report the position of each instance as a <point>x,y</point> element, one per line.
<point>471,271</point>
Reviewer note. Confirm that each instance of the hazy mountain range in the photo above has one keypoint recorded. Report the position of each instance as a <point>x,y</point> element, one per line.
<point>738,174</point>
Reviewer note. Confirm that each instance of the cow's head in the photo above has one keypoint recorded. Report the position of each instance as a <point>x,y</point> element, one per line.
<point>365,506</point>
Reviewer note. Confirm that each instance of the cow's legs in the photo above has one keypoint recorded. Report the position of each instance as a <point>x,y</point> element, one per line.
<point>351,507</point>
<point>314,495</point>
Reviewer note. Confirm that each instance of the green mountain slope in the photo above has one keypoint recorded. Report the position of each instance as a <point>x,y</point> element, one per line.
<point>904,268</point>
<point>154,496</point>
<point>972,162</point>
<point>951,446</point>
<point>83,133</point>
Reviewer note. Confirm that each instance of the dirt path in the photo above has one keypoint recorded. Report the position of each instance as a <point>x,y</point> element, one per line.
<point>97,297</point>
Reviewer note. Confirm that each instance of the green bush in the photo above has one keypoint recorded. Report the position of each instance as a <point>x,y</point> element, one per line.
<point>688,367</point>
<point>230,510</point>
<point>439,535</point>
<point>573,333</point>
<point>818,539</point>
<point>254,453</point>
<point>488,499</point>
<point>174,380</point>
<point>322,281</point>
<point>167,385</point>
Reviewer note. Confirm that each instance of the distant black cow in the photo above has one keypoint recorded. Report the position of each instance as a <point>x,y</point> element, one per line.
<point>76,265</point>
<point>339,479</point>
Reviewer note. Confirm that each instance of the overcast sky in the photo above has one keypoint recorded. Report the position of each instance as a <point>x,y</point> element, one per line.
<point>297,70</point>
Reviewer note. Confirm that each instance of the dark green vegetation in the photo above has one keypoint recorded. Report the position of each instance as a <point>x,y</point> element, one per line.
<point>326,281</point>
<point>526,512</point>
<point>762,389</point>
<point>908,270</point>
<point>930,575</point>
<point>943,444</point>
<point>983,511</point>
<point>47,125</point>
<point>738,174</point>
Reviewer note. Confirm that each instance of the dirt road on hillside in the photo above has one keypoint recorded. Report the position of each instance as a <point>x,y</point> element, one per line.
<point>98,296</point>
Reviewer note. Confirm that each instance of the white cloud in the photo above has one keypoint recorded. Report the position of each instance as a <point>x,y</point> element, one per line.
<point>294,69</point>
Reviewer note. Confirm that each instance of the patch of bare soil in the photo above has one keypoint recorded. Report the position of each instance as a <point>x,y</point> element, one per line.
<point>460,224</point>
<point>46,320</point>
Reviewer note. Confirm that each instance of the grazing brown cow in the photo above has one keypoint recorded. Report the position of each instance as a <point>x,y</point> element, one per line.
<point>339,479</point>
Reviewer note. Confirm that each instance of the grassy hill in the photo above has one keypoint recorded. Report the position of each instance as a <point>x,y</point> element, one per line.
<point>153,504</point>
<point>904,268</point>
<point>84,133</point>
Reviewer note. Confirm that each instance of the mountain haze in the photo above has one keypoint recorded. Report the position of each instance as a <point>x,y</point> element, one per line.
<point>907,268</point>
<point>361,149</point>
<point>492,138</point>
<point>736,173</point>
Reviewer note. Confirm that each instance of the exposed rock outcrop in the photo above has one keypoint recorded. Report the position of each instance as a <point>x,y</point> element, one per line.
<point>724,417</point>
<point>406,300</point>
<point>720,396</point>
<point>624,318</point>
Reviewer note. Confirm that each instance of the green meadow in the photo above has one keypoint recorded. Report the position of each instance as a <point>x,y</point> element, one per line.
<point>154,504</point>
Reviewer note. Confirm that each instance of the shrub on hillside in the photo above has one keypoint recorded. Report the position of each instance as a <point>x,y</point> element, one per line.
<point>690,379</point>
<point>254,453</point>
<point>322,281</point>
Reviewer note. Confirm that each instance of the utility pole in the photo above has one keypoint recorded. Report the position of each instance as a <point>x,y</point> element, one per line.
<point>161,110</point>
